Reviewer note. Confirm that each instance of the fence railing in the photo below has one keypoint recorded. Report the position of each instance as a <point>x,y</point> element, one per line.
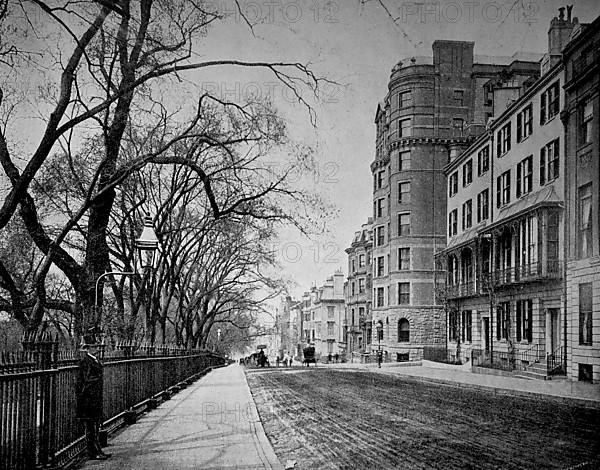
<point>554,362</point>
<point>38,423</point>
<point>508,361</point>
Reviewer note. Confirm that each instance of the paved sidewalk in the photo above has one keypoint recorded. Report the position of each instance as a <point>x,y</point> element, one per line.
<point>212,424</point>
<point>568,390</point>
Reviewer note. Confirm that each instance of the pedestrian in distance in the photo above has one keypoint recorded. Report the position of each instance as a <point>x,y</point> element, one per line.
<point>89,396</point>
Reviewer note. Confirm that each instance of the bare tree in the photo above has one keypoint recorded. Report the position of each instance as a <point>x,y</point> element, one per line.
<point>122,56</point>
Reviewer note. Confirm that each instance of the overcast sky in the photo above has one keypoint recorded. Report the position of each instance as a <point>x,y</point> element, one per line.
<point>356,44</point>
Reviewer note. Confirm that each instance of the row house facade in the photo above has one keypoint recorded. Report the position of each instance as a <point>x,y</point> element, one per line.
<point>434,105</point>
<point>323,317</point>
<point>358,328</point>
<point>513,200</point>
<point>581,117</point>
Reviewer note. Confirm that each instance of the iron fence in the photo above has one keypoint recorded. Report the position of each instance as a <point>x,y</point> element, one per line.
<point>38,423</point>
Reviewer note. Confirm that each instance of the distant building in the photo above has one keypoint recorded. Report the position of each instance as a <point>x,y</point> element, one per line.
<point>358,328</point>
<point>323,317</point>
<point>289,326</point>
<point>434,108</point>
<point>582,196</point>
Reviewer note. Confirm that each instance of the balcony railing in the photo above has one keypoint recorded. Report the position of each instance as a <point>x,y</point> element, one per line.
<point>463,289</point>
<point>551,269</point>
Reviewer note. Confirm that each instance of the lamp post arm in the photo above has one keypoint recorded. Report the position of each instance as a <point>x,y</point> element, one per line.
<point>119,273</point>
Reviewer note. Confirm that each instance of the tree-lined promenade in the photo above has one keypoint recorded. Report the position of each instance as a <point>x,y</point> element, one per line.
<point>123,130</point>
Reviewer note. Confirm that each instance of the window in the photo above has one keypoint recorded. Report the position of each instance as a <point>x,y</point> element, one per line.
<point>549,162</point>
<point>503,189</point>
<point>453,325</point>
<point>330,312</point>
<point>585,221</point>
<point>353,265</point>
<point>330,326</point>
<point>380,236</point>
<point>403,293</point>
<point>552,235</point>
<point>404,128</point>
<point>524,320</point>
<point>453,223</point>
<point>352,288</point>
<point>403,259</point>
<point>452,270</point>
<point>361,260</point>
<point>549,103</point>
<point>503,320</point>
<point>403,331</point>
<point>380,266</point>
<point>404,192</point>
<point>527,249</point>
<point>483,205</point>
<point>379,295</point>
<point>380,179</point>
<point>458,125</point>
<point>405,99</point>
<point>483,160</point>
<point>467,214</point>
<point>453,184</point>
<point>525,176</point>
<point>467,170</point>
<point>459,97</point>
<point>503,140</point>
<point>361,285</point>
<point>585,313</point>
<point>587,119</point>
<point>404,160</point>
<point>404,224</point>
<point>525,123</point>
<point>467,325</point>
<point>380,207</point>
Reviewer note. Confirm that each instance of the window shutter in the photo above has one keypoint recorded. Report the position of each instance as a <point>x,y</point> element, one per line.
<point>519,319</point>
<point>543,108</point>
<point>556,158</point>
<point>498,143</point>
<point>519,127</point>
<point>519,179</point>
<point>542,166</point>
<point>498,192</point>
<point>498,322</point>
<point>529,321</point>
<point>507,187</point>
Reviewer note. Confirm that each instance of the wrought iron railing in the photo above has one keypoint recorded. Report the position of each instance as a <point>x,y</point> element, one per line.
<point>507,360</point>
<point>554,362</point>
<point>39,427</point>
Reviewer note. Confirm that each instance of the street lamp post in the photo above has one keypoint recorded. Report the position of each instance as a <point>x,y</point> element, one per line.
<point>146,246</point>
<point>379,335</point>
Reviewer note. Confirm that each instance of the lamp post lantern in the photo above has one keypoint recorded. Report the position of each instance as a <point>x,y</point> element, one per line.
<point>147,244</point>
<point>379,335</point>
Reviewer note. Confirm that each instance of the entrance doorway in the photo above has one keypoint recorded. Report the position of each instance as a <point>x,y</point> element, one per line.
<point>486,334</point>
<point>554,314</point>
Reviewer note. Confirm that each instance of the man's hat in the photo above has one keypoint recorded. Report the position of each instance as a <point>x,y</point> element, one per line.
<point>90,338</point>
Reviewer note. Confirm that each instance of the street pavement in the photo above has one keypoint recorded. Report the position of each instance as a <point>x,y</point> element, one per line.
<point>568,390</point>
<point>212,424</point>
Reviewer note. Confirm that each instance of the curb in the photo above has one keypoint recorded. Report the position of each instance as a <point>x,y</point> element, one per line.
<point>568,400</point>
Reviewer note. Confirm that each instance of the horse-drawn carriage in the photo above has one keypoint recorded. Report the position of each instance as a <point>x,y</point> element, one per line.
<point>309,356</point>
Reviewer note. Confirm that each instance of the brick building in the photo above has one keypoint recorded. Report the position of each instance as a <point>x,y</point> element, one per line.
<point>434,108</point>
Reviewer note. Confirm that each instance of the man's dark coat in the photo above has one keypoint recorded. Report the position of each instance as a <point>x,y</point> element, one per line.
<point>89,388</point>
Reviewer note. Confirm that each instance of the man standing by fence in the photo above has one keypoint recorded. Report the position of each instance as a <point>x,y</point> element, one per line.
<point>89,396</point>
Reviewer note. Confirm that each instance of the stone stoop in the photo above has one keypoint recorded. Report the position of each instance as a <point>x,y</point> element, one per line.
<point>538,371</point>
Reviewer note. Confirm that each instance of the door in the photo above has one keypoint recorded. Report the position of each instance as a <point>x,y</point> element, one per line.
<point>554,329</point>
<point>486,334</point>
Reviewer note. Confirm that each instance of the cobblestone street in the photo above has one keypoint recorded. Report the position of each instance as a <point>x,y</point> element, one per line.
<point>359,419</point>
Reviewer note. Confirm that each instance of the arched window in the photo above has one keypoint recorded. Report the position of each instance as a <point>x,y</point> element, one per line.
<point>403,331</point>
